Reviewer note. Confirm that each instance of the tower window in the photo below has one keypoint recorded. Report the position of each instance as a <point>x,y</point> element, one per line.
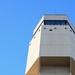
<point>50,29</point>
<point>44,27</point>
<point>65,28</point>
<point>34,37</point>
<point>55,28</point>
<point>39,30</point>
<point>56,22</point>
<point>70,30</point>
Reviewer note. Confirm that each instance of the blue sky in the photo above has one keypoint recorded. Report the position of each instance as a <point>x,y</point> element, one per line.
<point>18,18</point>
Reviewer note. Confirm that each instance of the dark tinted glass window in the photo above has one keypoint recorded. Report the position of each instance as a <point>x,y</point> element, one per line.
<point>56,22</point>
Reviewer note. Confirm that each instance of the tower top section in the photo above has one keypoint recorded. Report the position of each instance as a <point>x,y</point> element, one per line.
<point>54,19</point>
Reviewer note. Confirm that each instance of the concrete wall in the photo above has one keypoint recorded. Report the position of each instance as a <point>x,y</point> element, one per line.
<point>72,66</point>
<point>34,48</point>
<point>55,71</point>
<point>52,41</point>
<point>55,66</point>
<point>73,47</point>
<point>56,42</point>
<point>34,70</point>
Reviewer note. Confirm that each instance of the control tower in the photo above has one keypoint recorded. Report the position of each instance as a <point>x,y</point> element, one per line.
<point>52,48</point>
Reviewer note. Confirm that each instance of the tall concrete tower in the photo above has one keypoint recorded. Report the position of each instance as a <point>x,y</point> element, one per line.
<point>52,48</point>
